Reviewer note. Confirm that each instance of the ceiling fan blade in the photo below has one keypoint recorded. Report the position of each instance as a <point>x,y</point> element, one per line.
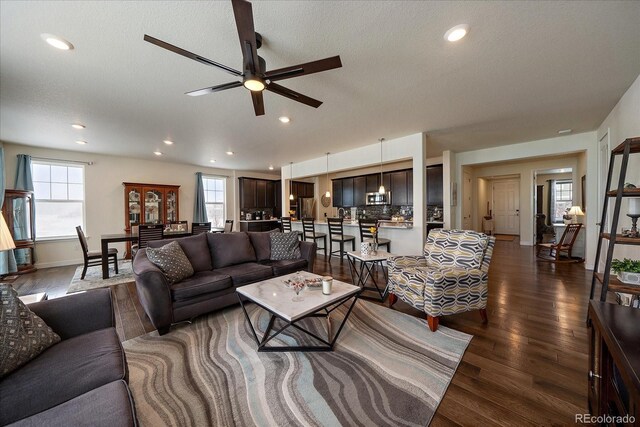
<point>211,89</point>
<point>283,91</point>
<point>304,69</point>
<point>258,103</point>
<point>190,55</point>
<point>243,13</point>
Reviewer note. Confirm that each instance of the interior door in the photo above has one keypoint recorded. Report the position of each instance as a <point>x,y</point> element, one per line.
<point>467,222</point>
<point>506,206</point>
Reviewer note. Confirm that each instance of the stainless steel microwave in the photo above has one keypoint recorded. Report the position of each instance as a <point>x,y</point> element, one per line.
<point>379,198</point>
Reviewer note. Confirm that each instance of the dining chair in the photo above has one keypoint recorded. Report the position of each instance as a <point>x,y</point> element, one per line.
<point>93,258</point>
<point>309,233</point>
<point>285,222</point>
<point>200,227</point>
<point>147,233</point>
<point>366,234</point>
<point>336,232</point>
<point>228,226</point>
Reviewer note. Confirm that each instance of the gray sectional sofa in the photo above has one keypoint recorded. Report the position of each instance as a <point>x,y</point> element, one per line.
<point>80,381</point>
<point>222,262</point>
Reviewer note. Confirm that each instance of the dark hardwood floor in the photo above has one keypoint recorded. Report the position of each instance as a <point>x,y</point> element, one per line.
<point>527,366</point>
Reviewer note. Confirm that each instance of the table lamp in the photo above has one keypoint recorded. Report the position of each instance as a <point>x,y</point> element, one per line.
<point>6,241</point>
<point>575,211</point>
<point>634,214</point>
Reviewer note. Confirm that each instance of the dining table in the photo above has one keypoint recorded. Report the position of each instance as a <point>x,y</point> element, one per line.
<point>107,239</point>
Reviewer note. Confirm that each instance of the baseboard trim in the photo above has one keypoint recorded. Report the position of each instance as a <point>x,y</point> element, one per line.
<point>64,263</point>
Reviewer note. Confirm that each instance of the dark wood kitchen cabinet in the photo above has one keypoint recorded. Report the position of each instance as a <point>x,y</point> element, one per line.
<point>434,185</point>
<point>336,189</point>
<point>258,193</point>
<point>373,183</point>
<point>248,189</point>
<point>399,191</point>
<point>347,192</point>
<point>261,194</point>
<point>360,191</point>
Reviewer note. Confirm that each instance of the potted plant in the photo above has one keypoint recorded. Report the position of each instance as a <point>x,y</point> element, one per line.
<point>628,270</point>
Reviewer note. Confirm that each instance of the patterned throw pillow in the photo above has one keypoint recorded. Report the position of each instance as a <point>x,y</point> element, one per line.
<point>23,335</point>
<point>171,259</point>
<point>285,245</point>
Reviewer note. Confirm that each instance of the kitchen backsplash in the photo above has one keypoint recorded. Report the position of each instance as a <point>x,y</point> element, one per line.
<point>382,212</point>
<point>432,214</point>
<point>244,212</point>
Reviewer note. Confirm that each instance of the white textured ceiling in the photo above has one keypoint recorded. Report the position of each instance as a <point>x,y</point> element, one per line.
<point>526,70</point>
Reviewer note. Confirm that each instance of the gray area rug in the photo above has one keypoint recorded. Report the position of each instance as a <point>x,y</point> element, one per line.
<point>93,278</point>
<point>387,369</point>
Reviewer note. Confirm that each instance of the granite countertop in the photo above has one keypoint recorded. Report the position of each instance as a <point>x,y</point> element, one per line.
<point>403,225</point>
<point>259,220</point>
<point>435,222</point>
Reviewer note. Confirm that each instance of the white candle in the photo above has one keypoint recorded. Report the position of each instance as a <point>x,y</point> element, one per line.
<point>634,206</point>
<point>327,281</point>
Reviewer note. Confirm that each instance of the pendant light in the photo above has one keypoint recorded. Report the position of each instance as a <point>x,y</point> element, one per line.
<point>381,190</point>
<point>328,193</point>
<point>290,179</point>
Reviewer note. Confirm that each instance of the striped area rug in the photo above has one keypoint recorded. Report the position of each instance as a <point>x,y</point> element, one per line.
<point>387,369</point>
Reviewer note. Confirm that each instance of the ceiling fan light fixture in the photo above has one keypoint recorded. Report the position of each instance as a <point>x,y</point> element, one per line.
<point>254,83</point>
<point>77,126</point>
<point>284,119</point>
<point>57,42</point>
<point>456,33</point>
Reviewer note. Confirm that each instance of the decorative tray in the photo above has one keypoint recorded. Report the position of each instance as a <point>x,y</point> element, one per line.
<point>312,283</point>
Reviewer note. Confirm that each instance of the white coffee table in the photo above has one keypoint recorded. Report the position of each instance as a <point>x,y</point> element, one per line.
<point>273,296</point>
<point>30,299</point>
<point>361,274</point>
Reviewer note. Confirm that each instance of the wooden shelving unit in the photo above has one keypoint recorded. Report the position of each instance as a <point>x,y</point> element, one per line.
<point>608,283</point>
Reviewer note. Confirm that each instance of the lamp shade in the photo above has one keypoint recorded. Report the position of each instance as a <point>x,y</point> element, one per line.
<point>634,206</point>
<point>576,210</point>
<point>6,241</point>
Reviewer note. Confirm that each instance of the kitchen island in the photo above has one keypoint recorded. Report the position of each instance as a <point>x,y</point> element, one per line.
<point>259,225</point>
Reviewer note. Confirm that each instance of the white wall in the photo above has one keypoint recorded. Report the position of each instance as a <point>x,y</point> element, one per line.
<point>547,147</point>
<point>411,147</point>
<point>624,122</point>
<point>104,194</point>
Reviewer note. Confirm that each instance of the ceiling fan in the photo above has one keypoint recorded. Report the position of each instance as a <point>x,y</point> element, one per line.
<point>255,76</point>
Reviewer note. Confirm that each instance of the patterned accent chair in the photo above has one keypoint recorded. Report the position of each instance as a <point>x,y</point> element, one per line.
<point>451,277</point>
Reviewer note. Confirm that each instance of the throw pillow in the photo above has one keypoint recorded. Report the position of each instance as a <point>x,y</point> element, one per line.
<point>171,259</point>
<point>23,335</point>
<point>285,245</point>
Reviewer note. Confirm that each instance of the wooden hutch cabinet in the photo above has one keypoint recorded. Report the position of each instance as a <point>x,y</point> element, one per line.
<point>150,204</point>
<point>17,212</point>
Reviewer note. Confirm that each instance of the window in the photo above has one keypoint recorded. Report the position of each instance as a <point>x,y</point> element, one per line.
<point>59,195</point>
<point>563,199</point>
<point>214,197</point>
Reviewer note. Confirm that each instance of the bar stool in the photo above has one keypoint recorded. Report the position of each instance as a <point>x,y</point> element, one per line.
<point>286,224</point>
<point>309,232</point>
<point>200,227</point>
<point>365,232</point>
<point>337,235</point>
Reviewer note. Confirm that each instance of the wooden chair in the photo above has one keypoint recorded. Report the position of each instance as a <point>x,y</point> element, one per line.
<point>365,233</point>
<point>285,222</point>
<point>93,258</point>
<point>200,227</point>
<point>147,233</point>
<point>564,245</point>
<point>336,233</point>
<point>228,226</point>
<point>309,233</point>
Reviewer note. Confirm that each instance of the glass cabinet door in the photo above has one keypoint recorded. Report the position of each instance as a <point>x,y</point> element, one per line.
<point>172,206</point>
<point>153,206</point>
<point>21,212</point>
<point>135,206</point>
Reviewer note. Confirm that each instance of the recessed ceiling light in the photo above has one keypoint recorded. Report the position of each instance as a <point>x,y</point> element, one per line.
<point>168,142</point>
<point>81,142</point>
<point>456,33</point>
<point>229,153</point>
<point>57,42</point>
<point>565,131</point>
<point>157,153</point>
<point>270,167</point>
<point>78,126</point>
<point>212,161</point>
<point>284,119</point>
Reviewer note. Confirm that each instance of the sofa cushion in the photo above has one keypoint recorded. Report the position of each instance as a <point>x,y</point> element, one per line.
<point>203,282</point>
<point>455,248</point>
<point>106,406</point>
<point>64,371</point>
<point>286,266</point>
<point>230,249</point>
<point>285,246</point>
<point>194,247</point>
<point>172,261</point>
<point>261,241</point>
<point>246,273</point>
<point>23,334</point>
